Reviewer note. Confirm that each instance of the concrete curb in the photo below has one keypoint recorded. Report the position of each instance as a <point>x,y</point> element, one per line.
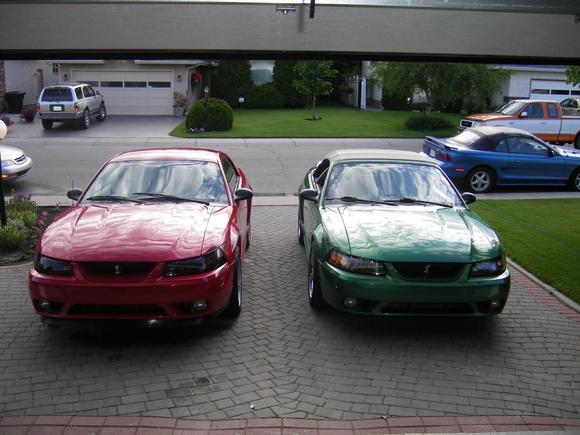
<point>548,289</point>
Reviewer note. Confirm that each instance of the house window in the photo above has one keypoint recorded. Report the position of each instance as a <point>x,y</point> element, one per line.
<point>55,68</point>
<point>111,84</point>
<point>90,83</point>
<point>559,92</point>
<point>541,91</point>
<point>159,84</point>
<point>135,84</point>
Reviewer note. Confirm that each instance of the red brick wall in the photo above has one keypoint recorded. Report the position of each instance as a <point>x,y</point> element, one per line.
<point>2,87</point>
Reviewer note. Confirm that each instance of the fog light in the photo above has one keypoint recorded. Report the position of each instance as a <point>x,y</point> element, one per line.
<point>44,305</point>
<point>350,302</point>
<point>198,306</point>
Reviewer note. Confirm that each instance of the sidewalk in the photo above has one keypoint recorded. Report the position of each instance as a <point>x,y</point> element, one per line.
<point>67,425</point>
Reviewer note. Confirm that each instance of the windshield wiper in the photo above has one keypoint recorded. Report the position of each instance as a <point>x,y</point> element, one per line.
<point>112,198</point>
<point>419,201</point>
<point>360,200</point>
<point>170,197</point>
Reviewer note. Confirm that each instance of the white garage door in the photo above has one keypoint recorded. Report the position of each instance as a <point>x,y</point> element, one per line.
<point>132,92</point>
<point>552,90</point>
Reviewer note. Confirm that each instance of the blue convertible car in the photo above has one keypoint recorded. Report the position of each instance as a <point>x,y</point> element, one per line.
<point>483,157</point>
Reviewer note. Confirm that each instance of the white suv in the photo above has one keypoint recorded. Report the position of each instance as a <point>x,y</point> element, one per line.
<point>61,103</point>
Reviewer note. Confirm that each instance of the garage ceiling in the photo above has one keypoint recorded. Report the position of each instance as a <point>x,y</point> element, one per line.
<point>530,31</point>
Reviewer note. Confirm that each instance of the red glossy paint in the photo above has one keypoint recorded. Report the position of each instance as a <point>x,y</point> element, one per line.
<point>151,232</point>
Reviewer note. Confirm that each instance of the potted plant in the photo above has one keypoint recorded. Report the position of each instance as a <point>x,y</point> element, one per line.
<point>180,103</point>
<point>28,114</point>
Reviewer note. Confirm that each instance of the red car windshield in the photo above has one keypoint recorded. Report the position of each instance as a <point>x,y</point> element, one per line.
<point>194,180</point>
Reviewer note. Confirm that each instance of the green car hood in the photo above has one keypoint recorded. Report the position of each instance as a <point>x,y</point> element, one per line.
<point>412,233</point>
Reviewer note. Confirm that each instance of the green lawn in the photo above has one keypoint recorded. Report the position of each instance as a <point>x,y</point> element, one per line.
<point>540,235</point>
<point>335,122</point>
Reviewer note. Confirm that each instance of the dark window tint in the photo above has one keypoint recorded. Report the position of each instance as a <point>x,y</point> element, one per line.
<point>231,176</point>
<point>57,94</point>
<point>135,84</point>
<point>502,146</point>
<point>88,91</point>
<point>525,145</point>
<point>552,111</point>
<point>574,92</point>
<point>79,93</point>
<point>534,110</point>
<point>111,84</point>
<point>541,91</point>
<point>559,92</point>
<point>159,84</point>
<point>569,103</point>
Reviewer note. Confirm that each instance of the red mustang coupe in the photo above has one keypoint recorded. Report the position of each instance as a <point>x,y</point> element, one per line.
<point>159,234</point>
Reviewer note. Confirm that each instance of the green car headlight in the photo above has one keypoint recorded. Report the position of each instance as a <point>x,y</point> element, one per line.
<point>488,268</point>
<point>355,264</point>
<point>52,266</point>
<point>196,265</point>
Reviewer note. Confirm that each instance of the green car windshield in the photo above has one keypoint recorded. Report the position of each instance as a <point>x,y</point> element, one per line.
<point>390,183</point>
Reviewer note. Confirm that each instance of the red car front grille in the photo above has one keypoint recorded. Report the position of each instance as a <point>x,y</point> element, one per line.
<point>119,269</point>
<point>114,310</point>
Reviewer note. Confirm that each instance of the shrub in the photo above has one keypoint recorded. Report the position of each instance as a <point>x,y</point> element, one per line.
<point>422,122</point>
<point>14,236</point>
<point>394,102</point>
<point>211,114</point>
<point>231,80</point>
<point>264,96</point>
<point>283,75</point>
<point>28,114</point>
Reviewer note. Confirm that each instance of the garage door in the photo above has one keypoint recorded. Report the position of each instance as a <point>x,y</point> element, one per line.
<point>132,92</point>
<point>552,90</point>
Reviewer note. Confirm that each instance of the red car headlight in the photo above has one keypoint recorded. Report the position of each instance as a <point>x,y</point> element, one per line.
<point>52,266</point>
<point>196,265</point>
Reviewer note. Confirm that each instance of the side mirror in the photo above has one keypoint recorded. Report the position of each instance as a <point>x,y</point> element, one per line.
<point>309,195</point>
<point>98,93</point>
<point>468,197</point>
<point>74,194</point>
<point>242,194</point>
<point>524,115</point>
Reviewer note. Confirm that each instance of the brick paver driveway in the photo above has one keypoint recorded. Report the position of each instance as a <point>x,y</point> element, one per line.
<point>283,359</point>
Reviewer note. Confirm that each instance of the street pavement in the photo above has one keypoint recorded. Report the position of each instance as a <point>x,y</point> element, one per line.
<point>282,360</point>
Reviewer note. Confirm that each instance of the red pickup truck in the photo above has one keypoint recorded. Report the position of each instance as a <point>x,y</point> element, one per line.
<point>542,118</point>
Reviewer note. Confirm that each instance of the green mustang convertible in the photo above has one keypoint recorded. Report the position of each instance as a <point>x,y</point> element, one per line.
<point>387,233</point>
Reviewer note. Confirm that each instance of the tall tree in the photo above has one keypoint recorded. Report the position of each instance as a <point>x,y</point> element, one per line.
<point>313,80</point>
<point>573,74</point>
<point>443,84</point>
<point>232,80</point>
<point>283,75</point>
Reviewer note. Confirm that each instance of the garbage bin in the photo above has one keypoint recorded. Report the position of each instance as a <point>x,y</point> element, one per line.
<point>14,100</point>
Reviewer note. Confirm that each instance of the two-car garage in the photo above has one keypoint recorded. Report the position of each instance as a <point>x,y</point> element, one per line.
<point>131,92</point>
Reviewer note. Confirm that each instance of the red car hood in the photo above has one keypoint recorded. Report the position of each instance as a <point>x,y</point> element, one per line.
<point>136,232</point>
<point>483,117</point>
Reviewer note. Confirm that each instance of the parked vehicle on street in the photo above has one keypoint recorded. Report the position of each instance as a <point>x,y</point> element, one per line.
<point>571,106</point>
<point>15,164</point>
<point>484,157</point>
<point>158,235</point>
<point>543,118</point>
<point>65,103</point>
<point>387,233</point>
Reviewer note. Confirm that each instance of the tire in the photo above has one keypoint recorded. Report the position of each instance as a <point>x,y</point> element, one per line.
<point>86,120</point>
<point>234,307</point>
<point>314,292</point>
<point>574,181</point>
<point>102,113</point>
<point>300,233</point>
<point>46,124</point>
<point>480,180</point>
<point>577,142</point>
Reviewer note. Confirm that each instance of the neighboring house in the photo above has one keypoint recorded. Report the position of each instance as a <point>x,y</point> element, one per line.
<point>536,82</point>
<point>130,87</point>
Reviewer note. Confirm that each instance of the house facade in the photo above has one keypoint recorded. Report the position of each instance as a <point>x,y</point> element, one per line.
<point>129,87</point>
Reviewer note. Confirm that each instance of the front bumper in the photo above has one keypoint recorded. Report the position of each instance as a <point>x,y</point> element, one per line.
<point>154,299</point>
<point>17,170</point>
<point>393,295</point>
